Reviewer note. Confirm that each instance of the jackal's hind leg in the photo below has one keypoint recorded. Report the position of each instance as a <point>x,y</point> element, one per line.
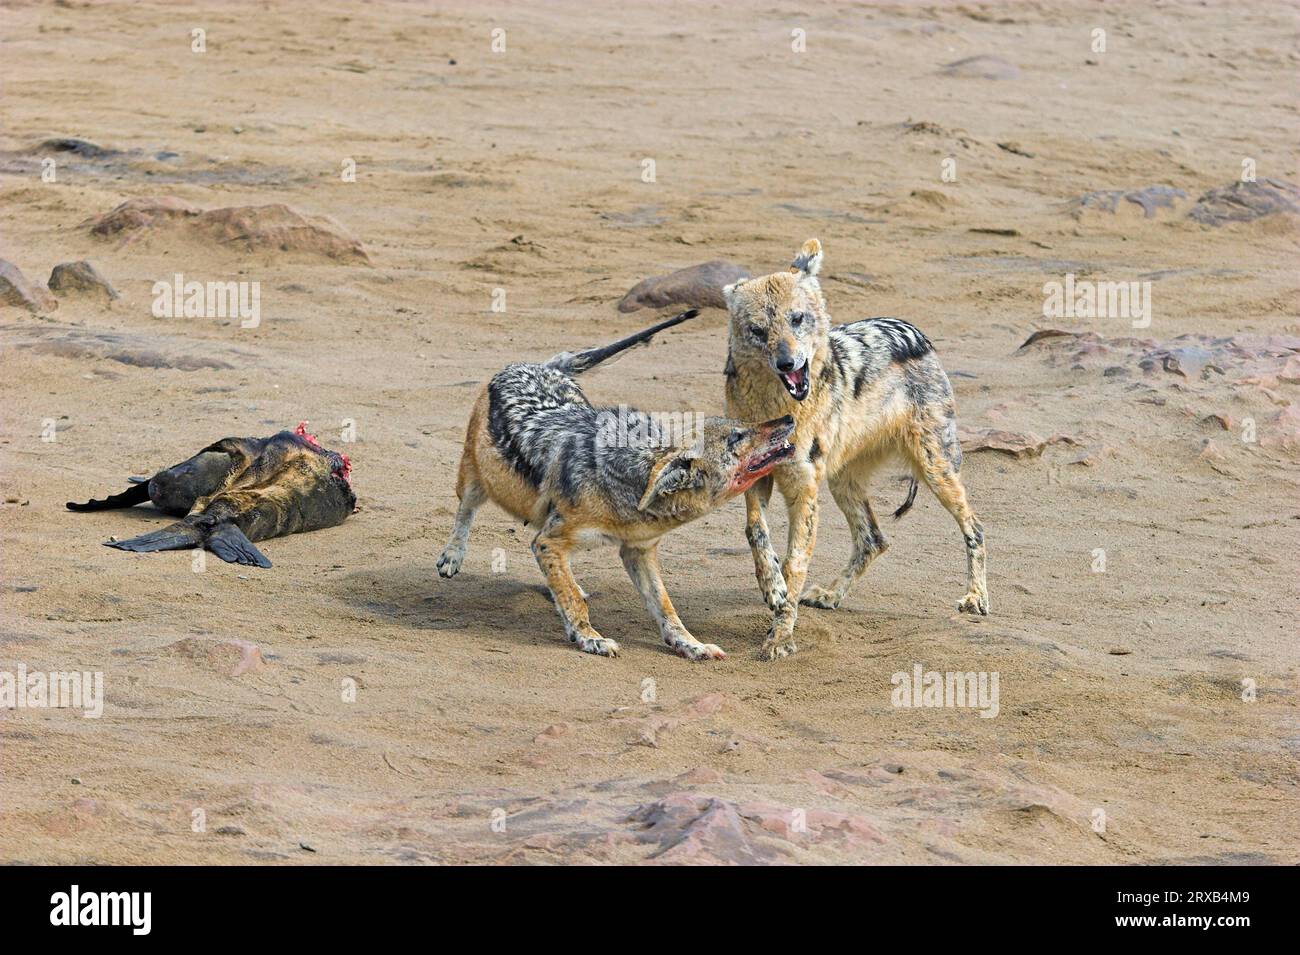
<point>551,548</point>
<point>472,497</point>
<point>937,457</point>
<point>642,565</point>
<point>868,543</point>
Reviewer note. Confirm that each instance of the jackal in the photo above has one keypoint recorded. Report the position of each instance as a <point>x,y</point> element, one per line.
<point>537,447</point>
<point>860,394</point>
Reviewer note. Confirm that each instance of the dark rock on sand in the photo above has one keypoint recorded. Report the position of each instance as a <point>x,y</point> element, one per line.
<point>80,278</point>
<point>19,291</point>
<point>1016,149</point>
<point>141,351</point>
<point>686,827</point>
<point>1246,359</point>
<point>1246,202</point>
<point>1018,444</point>
<point>982,67</point>
<point>1149,198</point>
<point>699,286</point>
<point>90,161</point>
<point>78,147</point>
<point>275,227</point>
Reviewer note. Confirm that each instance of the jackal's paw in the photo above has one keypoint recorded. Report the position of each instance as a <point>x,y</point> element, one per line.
<point>601,646</point>
<point>822,597</point>
<point>974,603</point>
<point>777,646</point>
<point>690,648</point>
<point>449,563</point>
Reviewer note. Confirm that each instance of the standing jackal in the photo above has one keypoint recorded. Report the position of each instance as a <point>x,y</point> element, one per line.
<point>860,394</point>
<point>538,448</point>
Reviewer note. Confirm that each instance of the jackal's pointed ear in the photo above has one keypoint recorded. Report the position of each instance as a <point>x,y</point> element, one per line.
<point>729,293</point>
<point>809,260</point>
<point>670,474</point>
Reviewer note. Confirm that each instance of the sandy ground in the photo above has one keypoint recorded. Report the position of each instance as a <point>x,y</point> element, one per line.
<point>477,734</point>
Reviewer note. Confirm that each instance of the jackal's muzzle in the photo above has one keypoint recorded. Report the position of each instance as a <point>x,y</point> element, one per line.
<point>767,445</point>
<point>793,371</point>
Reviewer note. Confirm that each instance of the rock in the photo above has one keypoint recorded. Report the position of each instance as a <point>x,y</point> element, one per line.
<point>1189,361</point>
<point>553,732</point>
<point>1018,444</point>
<point>135,216</point>
<point>20,292</point>
<point>1041,334</point>
<point>275,227</point>
<point>1246,202</point>
<point>701,829</point>
<point>1015,149</point>
<point>1245,360</point>
<point>1150,199</point>
<point>141,351</point>
<point>700,776</point>
<point>1091,457</point>
<point>80,278</point>
<point>1282,430</point>
<point>1211,452</point>
<point>982,67</point>
<point>78,147</point>
<point>699,286</point>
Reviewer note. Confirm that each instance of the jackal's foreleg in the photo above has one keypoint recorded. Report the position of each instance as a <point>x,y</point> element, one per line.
<point>642,565</point>
<point>798,485</point>
<point>767,566</point>
<point>551,548</point>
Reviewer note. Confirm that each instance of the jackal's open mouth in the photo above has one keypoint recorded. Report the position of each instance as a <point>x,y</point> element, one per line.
<point>796,382</point>
<point>769,457</point>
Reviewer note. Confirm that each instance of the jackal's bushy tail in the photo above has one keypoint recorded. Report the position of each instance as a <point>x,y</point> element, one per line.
<point>575,363</point>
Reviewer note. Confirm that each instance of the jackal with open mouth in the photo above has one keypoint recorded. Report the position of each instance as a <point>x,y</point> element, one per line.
<point>538,448</point>
<point>860,394</point>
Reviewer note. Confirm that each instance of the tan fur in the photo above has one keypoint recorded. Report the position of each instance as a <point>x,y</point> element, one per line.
<point>853,434</point>
<point>564,524</point>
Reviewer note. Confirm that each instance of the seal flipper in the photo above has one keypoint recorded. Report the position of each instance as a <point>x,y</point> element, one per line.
<point>135,494</point>
<point>229,543</point>
<point>176,536</point>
